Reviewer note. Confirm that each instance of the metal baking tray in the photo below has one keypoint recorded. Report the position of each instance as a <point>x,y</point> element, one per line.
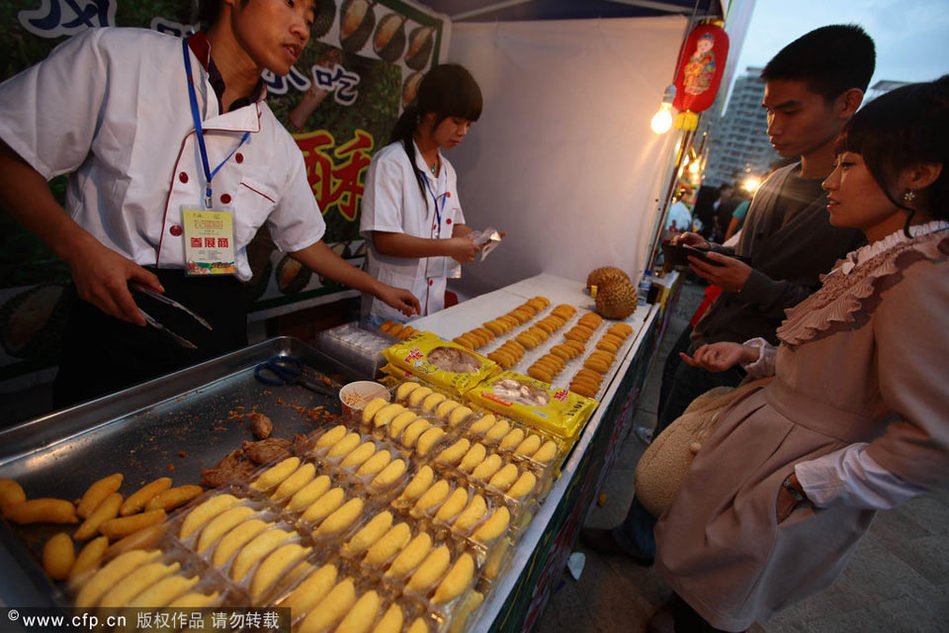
<point>172,426</point>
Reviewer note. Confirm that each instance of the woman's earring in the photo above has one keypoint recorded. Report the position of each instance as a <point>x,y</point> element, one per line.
<point>909,196</point>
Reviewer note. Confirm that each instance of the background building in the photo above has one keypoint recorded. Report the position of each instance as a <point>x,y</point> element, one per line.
<point>738,142</point>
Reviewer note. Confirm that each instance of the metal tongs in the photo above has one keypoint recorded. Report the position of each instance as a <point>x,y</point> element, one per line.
<point>182,341</point>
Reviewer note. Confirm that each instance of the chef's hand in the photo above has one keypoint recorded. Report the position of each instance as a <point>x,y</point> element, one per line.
<point>716,357</point>
<point>102,276</point>
<point>462,249</point>
<point>400,299</point>
<point>690,239</point>
<point>727,272</point>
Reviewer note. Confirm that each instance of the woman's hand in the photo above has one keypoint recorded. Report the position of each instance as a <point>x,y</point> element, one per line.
<point>786,501</point>
<point>461,249</point>
<point>717,357</point>
<point>400,299</point>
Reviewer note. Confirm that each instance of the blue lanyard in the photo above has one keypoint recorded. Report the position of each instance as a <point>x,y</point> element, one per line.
<point>199,131</point>
<point>438,212</point>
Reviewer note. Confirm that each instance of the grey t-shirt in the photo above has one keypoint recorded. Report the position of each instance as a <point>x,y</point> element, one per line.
<point>790,241</point>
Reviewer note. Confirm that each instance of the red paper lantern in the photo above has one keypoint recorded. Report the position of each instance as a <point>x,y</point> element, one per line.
<point>702,63</point>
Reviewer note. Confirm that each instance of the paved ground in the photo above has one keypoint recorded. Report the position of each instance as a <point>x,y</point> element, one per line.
<point>897,582</point>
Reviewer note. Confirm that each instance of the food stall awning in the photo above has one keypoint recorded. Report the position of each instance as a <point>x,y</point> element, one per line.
<point>509,10</point>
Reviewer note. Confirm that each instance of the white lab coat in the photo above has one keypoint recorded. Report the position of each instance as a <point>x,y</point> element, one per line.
<point>393,203</point>
<point>112,106</point>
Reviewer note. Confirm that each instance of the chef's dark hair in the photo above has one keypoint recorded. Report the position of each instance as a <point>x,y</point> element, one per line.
<point>207,12</point>
<point>901,129</point>
<point>830,60</point>
<point>448,90</point>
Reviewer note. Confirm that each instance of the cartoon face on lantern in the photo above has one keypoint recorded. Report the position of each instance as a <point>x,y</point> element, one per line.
<point>701,66</point>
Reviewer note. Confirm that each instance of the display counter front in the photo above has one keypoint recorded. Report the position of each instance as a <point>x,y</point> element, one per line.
<point>179,425</point>
<point>519,595</point>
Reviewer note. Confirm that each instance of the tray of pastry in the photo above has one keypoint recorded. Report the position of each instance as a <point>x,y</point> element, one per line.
<point>182,426</point>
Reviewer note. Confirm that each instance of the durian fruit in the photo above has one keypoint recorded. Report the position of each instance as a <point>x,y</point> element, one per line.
<point>32,322</point>
<point>292,276</point>
<point>605,275</point>
<point>389,39</point>
<point>356,22</point>
<point>421,43</point>
<point>325,14</point>
<point>410,88</point>
<point>616,300</point>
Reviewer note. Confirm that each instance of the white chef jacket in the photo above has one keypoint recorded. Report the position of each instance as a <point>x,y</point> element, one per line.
<point>392,202</point>
<point>112,106</point>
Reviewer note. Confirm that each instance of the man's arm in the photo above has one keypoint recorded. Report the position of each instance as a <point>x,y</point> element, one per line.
<point>322,260</point>
<point>101,275</point>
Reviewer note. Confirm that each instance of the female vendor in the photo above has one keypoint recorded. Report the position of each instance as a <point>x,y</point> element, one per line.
<point>176,161</point>
<point>411,214</point>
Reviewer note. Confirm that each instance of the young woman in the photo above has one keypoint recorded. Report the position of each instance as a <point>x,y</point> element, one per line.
<point>411,214</point>
<point>855,419</point>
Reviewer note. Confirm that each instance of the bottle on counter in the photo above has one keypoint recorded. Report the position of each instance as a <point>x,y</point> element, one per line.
<point>642,290</point>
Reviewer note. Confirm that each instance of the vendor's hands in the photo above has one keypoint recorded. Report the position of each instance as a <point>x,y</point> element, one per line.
<point>716,357</point>
<point>102,276</point>
<point>400,299</point>
<point>462,249</point>
<point>727,272</point>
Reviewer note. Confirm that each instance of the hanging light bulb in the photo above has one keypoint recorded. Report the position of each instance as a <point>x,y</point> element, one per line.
<point>662,120</point>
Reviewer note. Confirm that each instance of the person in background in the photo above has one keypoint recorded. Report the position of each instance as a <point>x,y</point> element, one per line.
<point>812,87</point>
<point>738,219</point>
<point>679,215</point>
<point>706,205</point>
<point>411,215</point>
<point>855,419</point>
<point>141,119</point>
<point>724,208</point>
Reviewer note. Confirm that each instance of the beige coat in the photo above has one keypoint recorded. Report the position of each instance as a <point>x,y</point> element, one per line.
<point>862,360</point>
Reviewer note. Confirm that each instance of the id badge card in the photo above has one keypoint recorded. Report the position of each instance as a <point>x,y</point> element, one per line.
<point>209,242</point>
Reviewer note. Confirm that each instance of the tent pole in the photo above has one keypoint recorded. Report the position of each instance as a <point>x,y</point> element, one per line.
<point>684,145</point>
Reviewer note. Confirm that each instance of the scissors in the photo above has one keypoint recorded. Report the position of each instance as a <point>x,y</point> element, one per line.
<point>287,370</point>
<point>158,326</point>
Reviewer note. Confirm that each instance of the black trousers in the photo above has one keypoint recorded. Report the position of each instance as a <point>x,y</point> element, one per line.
<point>687,620</point>
<point>102,354</point>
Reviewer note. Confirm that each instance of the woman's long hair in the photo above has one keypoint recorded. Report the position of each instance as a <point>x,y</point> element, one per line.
<point>448,90</point>
<point>903,128</point>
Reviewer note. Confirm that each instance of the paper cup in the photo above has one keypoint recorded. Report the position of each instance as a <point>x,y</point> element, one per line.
<point>356,395</point>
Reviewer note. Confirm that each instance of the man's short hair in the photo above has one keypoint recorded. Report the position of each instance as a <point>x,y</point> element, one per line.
<point>207,12</point>
<point>830,60</point>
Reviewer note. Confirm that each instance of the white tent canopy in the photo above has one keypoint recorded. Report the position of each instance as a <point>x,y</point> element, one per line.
<point>563,158</point>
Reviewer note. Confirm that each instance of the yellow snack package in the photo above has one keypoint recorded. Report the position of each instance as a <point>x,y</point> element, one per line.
<point>441,363</point>
<point>534,403</point>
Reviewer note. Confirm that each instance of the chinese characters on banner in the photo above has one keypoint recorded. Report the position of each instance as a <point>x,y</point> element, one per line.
<point>339,102</point>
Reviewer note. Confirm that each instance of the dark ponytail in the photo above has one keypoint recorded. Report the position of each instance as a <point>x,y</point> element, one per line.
<point>900,129</point>
<point>448,90</point>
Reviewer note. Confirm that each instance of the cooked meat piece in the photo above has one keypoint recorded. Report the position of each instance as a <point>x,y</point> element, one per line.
<point>266,451</point>
<point>260,425</point>
<point>301,445</point>
<point>233,467</point>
